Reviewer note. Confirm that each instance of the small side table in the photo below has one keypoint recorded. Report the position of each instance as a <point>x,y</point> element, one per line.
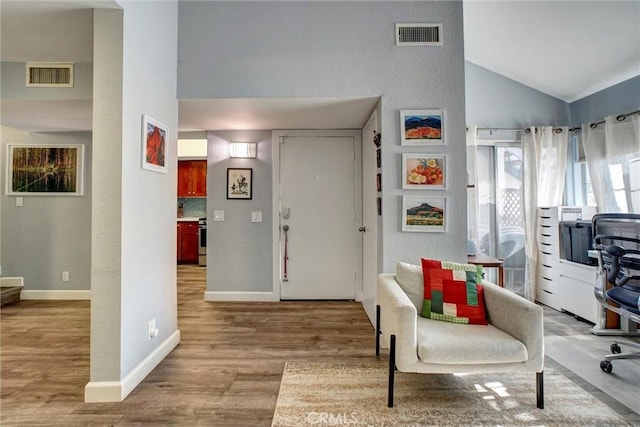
<point>489,262</point>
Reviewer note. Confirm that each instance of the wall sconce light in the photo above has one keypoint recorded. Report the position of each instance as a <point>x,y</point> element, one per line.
<point>243,150</point>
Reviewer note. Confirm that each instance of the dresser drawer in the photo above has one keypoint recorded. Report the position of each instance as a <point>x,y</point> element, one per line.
<point>580,272</point>
<point>548,272</point>
<point>548,298</point>
<point>548,235</point>
<point>577,298</point>
<point>548,258</point>
<point>548,215</point>
<point>548,248</point>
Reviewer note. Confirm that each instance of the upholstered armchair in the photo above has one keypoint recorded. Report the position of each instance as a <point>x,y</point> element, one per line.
<point>513,340</point>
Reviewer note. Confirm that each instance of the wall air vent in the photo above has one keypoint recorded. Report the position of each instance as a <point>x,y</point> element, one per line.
<point>418,34</point>
<point>49,74</point>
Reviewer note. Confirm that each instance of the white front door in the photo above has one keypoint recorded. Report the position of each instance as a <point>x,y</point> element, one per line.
<point>318,207</point>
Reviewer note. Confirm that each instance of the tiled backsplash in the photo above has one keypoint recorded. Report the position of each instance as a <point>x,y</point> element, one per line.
<point>193,207</point>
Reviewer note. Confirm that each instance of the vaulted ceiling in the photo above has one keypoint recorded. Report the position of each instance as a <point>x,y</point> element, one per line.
<point>566,49</point>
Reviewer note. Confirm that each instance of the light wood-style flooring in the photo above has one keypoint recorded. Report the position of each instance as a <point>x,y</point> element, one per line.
<point>225,372</point>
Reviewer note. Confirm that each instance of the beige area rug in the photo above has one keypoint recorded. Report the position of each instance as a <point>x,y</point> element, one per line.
<point>324,394</point>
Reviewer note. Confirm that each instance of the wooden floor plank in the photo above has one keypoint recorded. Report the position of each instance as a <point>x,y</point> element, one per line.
<point>225,372</point>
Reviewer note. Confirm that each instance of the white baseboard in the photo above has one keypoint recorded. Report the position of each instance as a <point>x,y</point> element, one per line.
<point>7,282</point>
<point>55,295</point>
<point>117,391</point>
<point>238,296</point>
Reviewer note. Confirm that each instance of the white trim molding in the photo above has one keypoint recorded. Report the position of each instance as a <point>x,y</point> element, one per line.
<point>55,295</point>
<point>117,391</point>
<point>239,296</point>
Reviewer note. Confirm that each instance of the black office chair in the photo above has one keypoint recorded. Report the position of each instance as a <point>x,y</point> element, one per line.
<point>616,238</point>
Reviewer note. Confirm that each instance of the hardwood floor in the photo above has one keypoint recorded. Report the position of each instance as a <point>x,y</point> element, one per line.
<point>226,370</point>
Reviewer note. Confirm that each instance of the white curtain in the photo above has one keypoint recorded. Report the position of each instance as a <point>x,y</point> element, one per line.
<point>545,162</point>
<point>612,152</point>
<point>472,184</point>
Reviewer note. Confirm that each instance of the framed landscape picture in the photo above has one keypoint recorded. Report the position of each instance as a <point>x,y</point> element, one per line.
<point>154,145</point>
<point>423,172</point>
<point>421,127</point>
<point>239,183</point>
<point>45,170</point>
<point>424,214</point>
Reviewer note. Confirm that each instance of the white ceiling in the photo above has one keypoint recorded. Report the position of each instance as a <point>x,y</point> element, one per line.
<point>567,49</point>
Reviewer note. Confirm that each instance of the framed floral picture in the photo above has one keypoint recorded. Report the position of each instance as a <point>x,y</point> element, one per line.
<point>239,183</point>
<point>45,170</point>
<point>421,127</point>
<point>154,145</point>
<point>424,171</point>
<point>424,214</point>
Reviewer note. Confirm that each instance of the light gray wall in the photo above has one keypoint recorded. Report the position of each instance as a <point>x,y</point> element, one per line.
<point>239,251</point>
<point>13,83</point>
<point>106,221</point>
<point>134,238</point>
<point>617,99</point>
<point>148,197</point>
<point>334,49</point>
<point>493,100</point>
<point>48,234</point>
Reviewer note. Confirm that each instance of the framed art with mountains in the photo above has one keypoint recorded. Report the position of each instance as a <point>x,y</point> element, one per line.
<point>421,127</point>
<point>424,214</point>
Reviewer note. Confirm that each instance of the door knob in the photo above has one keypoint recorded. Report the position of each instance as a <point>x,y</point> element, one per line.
<point>362,229</point>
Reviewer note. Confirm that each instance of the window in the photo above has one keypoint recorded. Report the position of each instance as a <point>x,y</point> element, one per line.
<point>501,209</point>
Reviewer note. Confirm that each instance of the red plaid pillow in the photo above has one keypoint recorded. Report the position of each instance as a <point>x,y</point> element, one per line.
<point>452,292</point>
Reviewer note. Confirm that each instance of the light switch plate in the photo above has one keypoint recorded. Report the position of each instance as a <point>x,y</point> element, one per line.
<point>256,216</point>
<point>218,215</point>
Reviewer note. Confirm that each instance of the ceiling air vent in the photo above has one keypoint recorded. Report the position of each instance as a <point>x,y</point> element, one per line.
<point>418,34</point>
<point>49,74</point>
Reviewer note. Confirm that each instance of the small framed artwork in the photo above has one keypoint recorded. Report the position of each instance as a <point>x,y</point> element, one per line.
<point>239,183</point>
<point>424,214</point>
<point>379,182</point>
<point>45,170</point>
<point>379,206</point>
<point>154,145</point>
<point>378,158</point>
<point>421,127</point>
<point>424,172</point>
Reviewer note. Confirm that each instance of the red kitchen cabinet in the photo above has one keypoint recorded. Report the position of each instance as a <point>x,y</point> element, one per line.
<point>192,178</point>
<point>187,246</point>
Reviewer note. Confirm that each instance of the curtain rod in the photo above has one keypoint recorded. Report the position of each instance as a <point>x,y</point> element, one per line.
<point>620,118</point>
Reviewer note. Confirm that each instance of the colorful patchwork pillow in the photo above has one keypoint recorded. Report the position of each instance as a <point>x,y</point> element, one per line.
<point>452,292</point>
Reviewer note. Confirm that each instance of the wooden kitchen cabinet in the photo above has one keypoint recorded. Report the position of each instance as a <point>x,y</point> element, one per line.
<point>187,246</point>
<point>192,178</point>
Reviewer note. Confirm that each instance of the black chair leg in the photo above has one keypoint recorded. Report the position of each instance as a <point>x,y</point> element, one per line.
<point>540,390</point>
<point>392,369</point>
<point>378,330</point>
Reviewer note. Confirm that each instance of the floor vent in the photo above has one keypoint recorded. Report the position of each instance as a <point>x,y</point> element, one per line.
<point>418,34</point>
<point>49,74</point>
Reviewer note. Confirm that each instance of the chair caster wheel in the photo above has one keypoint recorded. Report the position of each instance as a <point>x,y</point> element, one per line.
<point>615,349</point>
<point>606,366</point>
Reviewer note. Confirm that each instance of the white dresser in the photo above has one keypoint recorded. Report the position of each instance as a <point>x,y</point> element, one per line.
<point>547,275</point>
<point>551,278</point>
<point>577,282</point>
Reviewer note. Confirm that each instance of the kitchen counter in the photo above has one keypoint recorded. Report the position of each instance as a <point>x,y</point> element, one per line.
<point>188,218</point>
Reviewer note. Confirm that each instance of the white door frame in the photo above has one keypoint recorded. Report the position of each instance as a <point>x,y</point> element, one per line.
<point>276,138</point>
